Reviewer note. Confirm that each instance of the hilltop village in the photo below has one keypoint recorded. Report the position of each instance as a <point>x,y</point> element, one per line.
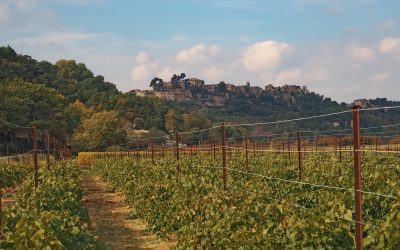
<point>193,89</point>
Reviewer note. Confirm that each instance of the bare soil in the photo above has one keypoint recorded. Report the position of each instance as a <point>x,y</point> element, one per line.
<point>109,218</point>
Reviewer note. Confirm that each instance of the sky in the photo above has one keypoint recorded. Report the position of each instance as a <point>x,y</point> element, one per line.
<point>344,50</point>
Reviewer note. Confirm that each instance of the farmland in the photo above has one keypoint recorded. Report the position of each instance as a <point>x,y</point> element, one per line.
<point>295,190</point>
<point>265,205</point>
<point>199,125</point>
<point>49,217</point>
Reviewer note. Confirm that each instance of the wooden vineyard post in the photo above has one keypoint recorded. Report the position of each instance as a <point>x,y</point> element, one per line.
<point>35,157</point>
<point>48,149</point>
<point>376,143</point>
<point>223,155</point>
<point>257,148</point>
<point>299,155</point>
<point>288,145</point>
<point>191,154</point>
<point>247,154</point>
<point>178,169</point>
<point>137,153</point>
<point>357,176</point>
<point>387,146</point>
<point>272,146</point>
<point>237,148</point>
<point>152,153</point>
<point>316,142</point>
<point>214,143</point>
<point>210,150</point>
<point>254,148</point>
<point>60,151</point>
<point>54,149</point>
<point>8,155</point>
<point>340,149</point>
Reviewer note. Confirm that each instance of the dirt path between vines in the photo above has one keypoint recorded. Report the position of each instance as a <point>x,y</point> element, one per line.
<point>109,218</point>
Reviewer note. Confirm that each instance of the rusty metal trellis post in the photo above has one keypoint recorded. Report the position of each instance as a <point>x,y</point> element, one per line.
<point>152,153</point>
<point>340,148</point>
<point>60,150</point>
<point>300,168</point>
<point>214,143</point>
<point>191,154</point>
<point>247,154</point>
<point>288,145</point>
<point>316,142</point>
<point>137,152</point>
<point>54,149</point>
<point>223,142</point>
<point>35,157</point>
<point>178,169</point>
<point>357,176</point>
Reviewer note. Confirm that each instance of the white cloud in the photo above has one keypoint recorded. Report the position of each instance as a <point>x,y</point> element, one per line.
<point>264,55</point>
<point>142,58</point>
<point>244,38</point>
<point>144,67</point>
<point>364,54</point>
<point>4,14</point>
<point>167,72</point>
<point>141,72</point>
<point>388,44</point>
<point>214,50</point>
<point>179,38</point>
<point>198,53</point>
<point>318,75</point>
<point>214,72</point>
<point>379,77</point>
<point>387,25</point>
<point>25,4</point>
<point>80,2</point>
<point>26,16</point>
<point>58,38</point>
<point>288,76</point>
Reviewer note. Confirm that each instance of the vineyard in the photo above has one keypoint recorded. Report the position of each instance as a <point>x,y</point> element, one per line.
<point>272,191</point>
<point>264,206</point>
<point>295,190</point>
<point>51,217</point>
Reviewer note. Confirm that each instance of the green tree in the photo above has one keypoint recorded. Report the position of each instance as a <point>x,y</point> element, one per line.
<point>157,83</point>
<point>221,87</point>
<point>29,104</point>
<point>100,131</point>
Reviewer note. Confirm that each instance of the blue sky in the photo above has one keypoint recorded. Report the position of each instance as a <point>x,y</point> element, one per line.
<point>341,49</point>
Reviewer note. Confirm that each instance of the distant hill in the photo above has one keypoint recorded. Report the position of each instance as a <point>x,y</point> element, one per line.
<point>60,96</point>
<point>73,80</point>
